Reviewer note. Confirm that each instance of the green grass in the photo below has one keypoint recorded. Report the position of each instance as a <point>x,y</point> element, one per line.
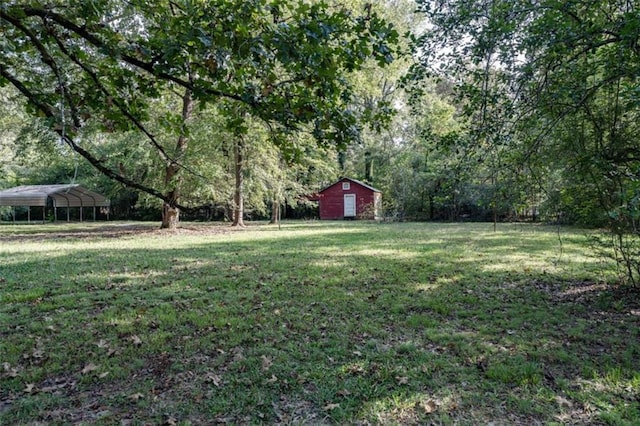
<point>313,323</point>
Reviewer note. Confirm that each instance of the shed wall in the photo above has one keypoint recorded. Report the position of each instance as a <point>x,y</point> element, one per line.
<point>332,200</point>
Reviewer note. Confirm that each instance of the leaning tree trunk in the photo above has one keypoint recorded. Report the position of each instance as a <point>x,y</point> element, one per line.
<point>238,197</point>
<point>170,213</point>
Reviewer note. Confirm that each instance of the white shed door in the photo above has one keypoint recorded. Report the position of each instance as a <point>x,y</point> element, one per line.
<point>349,205</point>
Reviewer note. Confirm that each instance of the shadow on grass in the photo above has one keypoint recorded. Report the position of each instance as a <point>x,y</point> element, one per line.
<point>317,324</point>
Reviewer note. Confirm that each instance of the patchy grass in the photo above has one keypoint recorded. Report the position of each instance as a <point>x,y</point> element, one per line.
<point>313,323</point>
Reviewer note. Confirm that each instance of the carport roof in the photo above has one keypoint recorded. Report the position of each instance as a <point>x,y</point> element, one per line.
<point>62,196</point>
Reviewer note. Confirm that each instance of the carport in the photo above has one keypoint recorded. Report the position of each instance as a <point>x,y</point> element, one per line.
<point>54,197</point>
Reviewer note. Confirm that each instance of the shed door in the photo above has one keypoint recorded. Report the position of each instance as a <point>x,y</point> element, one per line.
<point>349,205</point>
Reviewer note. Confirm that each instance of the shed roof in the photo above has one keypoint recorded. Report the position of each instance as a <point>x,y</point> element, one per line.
<point>352,180</point>
<point>73,195</point>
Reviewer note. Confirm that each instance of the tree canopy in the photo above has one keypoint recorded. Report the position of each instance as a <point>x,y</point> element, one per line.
<point>102,65</point>
<point>552,88</point>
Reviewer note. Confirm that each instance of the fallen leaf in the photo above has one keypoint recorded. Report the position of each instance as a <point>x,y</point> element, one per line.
<point>402,380</point>
<point>137,341</point>
<point>215,379</point>
<point>273,379</point>
<point>331,407</point>
<point>88,368</point>
<point>266,362</point>
<point>53,388</point>
<point>223,420</point>
<point>136,396</point>
<point>563,402</point>
<point>355,369</point>
<point>9,370</point>
<point>428,407</point>
<point>344,392</point>
<point>30,388</point>
<point>102,344</point>
<point>103,375</point>
<point>238,355</point>
<point>170,421</point>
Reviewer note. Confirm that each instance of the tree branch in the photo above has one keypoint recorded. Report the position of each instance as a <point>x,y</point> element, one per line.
<point>82,32</point>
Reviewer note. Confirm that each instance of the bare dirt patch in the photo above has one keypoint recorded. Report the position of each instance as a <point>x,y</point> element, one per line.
<point>115,230</point>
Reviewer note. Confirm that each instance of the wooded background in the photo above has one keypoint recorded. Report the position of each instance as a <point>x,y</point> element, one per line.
<point>456,110</point>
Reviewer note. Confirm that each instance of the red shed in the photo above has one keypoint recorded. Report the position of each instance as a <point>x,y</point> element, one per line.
<point>350,199</point>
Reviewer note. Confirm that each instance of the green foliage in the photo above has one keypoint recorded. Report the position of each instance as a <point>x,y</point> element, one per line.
<point>551,89</point>
<point>104,66</point>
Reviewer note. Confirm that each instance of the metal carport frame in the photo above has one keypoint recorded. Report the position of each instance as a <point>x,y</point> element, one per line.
<point>68,196</point>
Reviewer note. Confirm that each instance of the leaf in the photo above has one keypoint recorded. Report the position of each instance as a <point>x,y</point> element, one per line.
<point>88,368</point>
<point>30,388</point>
<point>402,380</point>
<point>136,396</point>
<point>215,379</point>
<point>428,407</point>
<point>266,362</point>
<point>137,341</point>
<point>563,402</point>
<point>102,344</point>
<point>238,355</point>
<point>331,407</point>
<point>9,370</point>
<point>273,379</point>
<point>37,354</point>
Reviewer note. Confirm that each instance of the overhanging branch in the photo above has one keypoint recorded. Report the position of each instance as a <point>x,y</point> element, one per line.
<point>82,32</point>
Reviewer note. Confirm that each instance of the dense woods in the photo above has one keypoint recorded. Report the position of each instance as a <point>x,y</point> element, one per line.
<point>457,110</point>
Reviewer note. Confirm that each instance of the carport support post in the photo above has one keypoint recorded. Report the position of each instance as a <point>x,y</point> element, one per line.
<point>28,214</point>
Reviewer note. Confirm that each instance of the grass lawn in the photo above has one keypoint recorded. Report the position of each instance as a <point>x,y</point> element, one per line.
<point>313,323</point>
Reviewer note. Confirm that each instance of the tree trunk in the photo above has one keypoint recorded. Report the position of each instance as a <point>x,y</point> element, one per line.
<point>368,167</point>
<point>432,210</point>
<point>238,198</point>
<point>275,212</point>
<point>170,216</point>
<point>170,213</point>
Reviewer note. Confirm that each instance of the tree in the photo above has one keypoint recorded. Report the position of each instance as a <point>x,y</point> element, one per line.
<point>379,93</point>
<point>103,63</point>
<point>558,83</point>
